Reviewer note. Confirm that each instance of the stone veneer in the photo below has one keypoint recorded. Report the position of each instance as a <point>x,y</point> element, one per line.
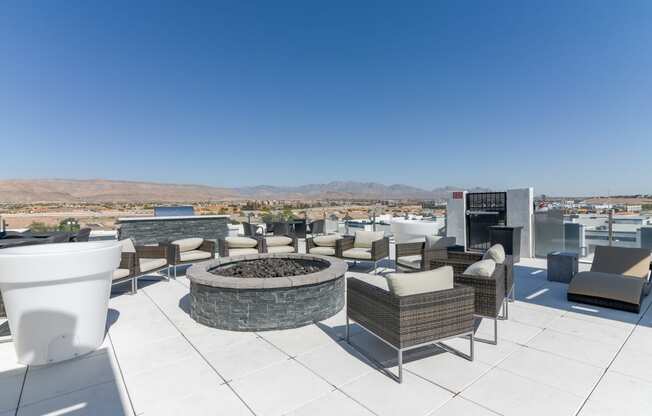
<point>153,230</point>
<point>259,304</point>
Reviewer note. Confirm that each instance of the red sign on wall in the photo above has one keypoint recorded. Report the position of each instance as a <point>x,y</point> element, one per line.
<point>458,195</point>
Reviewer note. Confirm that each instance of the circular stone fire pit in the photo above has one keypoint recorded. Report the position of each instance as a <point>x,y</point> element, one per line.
<point>261,292</point>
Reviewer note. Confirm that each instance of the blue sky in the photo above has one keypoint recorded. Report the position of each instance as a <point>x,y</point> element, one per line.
<point>555,95</point>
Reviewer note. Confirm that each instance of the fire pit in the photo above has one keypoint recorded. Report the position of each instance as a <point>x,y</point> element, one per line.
<point>261,292</point>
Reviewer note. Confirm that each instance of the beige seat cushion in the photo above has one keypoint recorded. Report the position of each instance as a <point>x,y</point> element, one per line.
<point>242,251</point>
<point>151,264</point>
<point>373,279</point>
<point>278,240</point>
<point>436,243</point>
<point>127,246</point>
<point>483,268</point>
<point>326,240</point>
<point>607,286</point>
<point>280,249</point>
<point>633,262</point>
<point>194,255</point>
<point>357,253</point>
<point>412,262</point>
<point>188,244</point>
<point>405,284</point>
<point>363,239</point>
<point>495,253</point>
<point>323,251</point>
<point>120,274</point>
<point>241,242</point>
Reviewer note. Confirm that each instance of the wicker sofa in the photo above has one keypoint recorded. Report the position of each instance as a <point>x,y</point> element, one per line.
<point>364,246</point>
<point>410,321</point>
<point>189,250</point>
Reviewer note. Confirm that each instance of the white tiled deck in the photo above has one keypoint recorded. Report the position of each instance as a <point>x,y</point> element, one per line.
<point>553,358</point>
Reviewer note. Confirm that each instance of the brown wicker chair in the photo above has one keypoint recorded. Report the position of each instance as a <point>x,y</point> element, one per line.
<point>314,246</point>
<point>490,292</point>
<point>414,256</point>
<point>137,261</point>
<point>224,249</point>
<point>176,257</point>
<point>268,247</point>
<point>378,251</point>
<point>407,322</point>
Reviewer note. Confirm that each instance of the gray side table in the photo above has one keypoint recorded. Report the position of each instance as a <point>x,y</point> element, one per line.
<point>562,266</point>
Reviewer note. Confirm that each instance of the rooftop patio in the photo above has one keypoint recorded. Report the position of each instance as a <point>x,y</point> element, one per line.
<point>553,358</point>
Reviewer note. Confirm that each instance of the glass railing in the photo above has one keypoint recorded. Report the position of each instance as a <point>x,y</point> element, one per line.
<point>582,233</point>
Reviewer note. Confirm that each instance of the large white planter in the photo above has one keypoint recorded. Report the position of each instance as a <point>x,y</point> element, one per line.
<point>56,297</point>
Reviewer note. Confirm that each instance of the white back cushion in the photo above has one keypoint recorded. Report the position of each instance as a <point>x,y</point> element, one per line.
<point>241,242</point>
<point>326,240</point>
<point>484,268</point>
<point>188,244</point>
<point>405,284</point>
<point>128,246</point>
<point>495,253</point>
<point>363,239</point>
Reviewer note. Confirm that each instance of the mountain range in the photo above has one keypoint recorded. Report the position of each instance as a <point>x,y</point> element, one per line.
<point>103,190</point>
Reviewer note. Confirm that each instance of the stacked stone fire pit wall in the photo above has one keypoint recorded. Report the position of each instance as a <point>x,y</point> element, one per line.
<point>259,304</point>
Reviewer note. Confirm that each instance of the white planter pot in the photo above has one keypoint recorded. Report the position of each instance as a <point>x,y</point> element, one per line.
<point>56,297</point>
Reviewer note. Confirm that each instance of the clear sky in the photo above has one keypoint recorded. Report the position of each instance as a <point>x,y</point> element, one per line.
<point>551,94</point>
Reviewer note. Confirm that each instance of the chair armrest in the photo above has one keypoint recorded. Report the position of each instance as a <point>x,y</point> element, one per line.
<point>380,249</point>
<point>310,244</point>
<point>222,247</point>
<point>209,246</point>
<point>431,255</point>
<point>489,291</point>
<point>344,243</point>
<point>262,244</point>
<point>409,249</point>
<point>174,253</point>
<point>128,261</point>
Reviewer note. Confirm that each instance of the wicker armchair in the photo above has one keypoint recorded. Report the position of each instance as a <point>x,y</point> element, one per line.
<point>274,244</point>
<point>227,248</point>
<point>490,292</point>
<point>414,256</point>
<point>324,245</point>
<point>460,260</point>
<point>407,322</point>
<point>126,271</point>
<point>177,257</point>
<point>345,249</point>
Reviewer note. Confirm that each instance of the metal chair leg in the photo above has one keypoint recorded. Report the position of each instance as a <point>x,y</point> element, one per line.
<point>175,271</point>
<point>134,285</point>
<point>488,341</point>
<point>400,366</point>
<point>347,328</point>
<point>472,349</point>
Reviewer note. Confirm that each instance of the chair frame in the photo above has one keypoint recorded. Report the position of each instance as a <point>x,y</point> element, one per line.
<point>174,254</point>
<point>414,249</point>
<point>223,247</point>
<point>490,292</point>
<point>130,261</point>
<point>408,322</point>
